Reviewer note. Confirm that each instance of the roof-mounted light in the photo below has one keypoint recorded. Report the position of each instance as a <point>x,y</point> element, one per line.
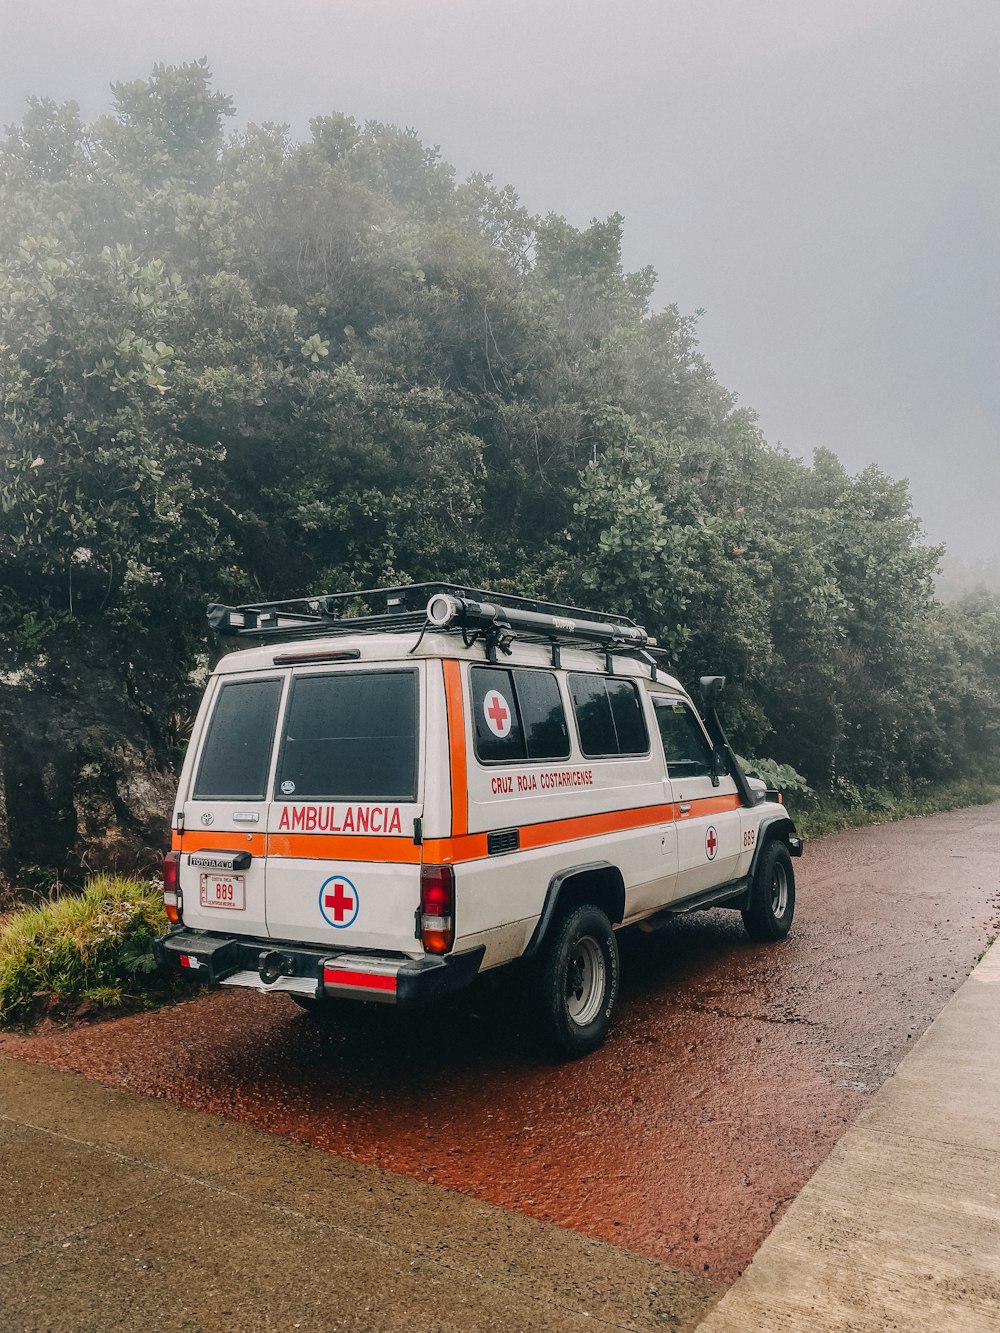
<point>443,610</point>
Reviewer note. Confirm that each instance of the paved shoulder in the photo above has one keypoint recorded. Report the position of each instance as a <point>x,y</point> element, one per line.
<point>900,1228</point>
<point>121,1212</point>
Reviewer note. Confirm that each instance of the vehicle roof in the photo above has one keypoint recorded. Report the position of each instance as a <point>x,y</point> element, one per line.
<point>403,649</point>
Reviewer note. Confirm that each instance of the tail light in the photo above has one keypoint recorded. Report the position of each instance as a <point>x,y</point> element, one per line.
<point>437,908</point>
<point>173,900</point>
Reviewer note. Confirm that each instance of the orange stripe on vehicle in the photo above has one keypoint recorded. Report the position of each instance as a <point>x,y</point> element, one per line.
<point>456,747</point>
<point>708,805</point>
<point>593,826</point>
<point>333,976</point>
<point>447,851</point>
<point>335,846</point>
<point>474,845</point>
<point>197,840</point>
<point>462,846</point>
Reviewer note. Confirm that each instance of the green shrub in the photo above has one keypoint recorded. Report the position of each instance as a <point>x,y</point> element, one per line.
<point>94,946</point>
<point>830,812</point>
<point>780,776</point>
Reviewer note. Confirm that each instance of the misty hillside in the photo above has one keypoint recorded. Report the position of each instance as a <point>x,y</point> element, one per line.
<point>245,367</point>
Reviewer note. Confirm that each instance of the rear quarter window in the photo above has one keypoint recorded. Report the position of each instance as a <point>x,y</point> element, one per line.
<point>519,715</point>
<point>236,755</point>
<point>350,736</point>
<point>609,716</point>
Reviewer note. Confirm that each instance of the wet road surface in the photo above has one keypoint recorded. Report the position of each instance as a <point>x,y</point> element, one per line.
<point>731,1071</point>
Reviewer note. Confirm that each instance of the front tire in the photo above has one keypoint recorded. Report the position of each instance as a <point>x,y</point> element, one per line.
<point>579,982</point>
<point>769,913</point>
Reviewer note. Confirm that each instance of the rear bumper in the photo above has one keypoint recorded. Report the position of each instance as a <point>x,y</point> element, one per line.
<point>266,965</point>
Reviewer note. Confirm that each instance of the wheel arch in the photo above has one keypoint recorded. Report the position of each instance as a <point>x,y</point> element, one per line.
<point>597,882</point>
<point>776,827</point>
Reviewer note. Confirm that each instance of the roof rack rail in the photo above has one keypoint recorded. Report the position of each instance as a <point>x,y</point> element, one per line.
<point>495,618</point>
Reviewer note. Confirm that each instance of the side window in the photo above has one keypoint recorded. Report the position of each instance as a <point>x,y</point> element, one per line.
<point>608,716</point>
<point>498,728</point>
<point>543,717</point>
<point>518,714</point>
<point>687,752</point>
<point>237,750</point>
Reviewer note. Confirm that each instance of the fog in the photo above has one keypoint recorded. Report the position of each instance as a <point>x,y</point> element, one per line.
<point>821,180</point>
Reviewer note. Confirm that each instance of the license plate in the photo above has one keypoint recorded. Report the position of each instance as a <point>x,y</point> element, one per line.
<point>226,891</point>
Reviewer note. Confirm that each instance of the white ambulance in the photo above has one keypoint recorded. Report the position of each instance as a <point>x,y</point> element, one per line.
<point>396,790</point>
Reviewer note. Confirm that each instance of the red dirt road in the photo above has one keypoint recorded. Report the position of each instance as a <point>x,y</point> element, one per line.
<point>731,1071</point>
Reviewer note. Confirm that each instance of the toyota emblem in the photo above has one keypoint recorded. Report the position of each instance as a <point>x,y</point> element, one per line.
<point>208,817</point>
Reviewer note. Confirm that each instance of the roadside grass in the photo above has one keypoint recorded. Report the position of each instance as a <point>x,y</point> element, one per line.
<point>82,952</point>
<point>821,812</point>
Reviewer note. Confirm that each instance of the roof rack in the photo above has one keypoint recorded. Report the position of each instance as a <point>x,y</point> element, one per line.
<point>495,618</point>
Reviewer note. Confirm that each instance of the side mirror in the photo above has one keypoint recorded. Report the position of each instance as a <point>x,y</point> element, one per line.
<point>720,765</point>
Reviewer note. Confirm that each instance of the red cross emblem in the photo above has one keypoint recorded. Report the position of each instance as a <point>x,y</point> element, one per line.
<point>338,902</point>
<point>711,842</point>
<point>496,710</point>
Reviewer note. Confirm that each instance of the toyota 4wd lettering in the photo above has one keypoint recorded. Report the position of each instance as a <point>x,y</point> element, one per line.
<point>380,806</point>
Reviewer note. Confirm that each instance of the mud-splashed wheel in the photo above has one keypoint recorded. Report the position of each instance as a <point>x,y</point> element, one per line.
<point>769,913</point>
<point>579,982</point>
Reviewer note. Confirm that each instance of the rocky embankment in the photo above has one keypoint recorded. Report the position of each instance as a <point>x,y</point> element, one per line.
<point>83,787</point>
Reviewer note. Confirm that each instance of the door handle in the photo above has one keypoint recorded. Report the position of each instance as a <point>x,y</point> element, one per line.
<point>685,807</point>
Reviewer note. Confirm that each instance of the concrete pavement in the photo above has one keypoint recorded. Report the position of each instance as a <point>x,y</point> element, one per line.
<point>899,1230</point>
<point>120,1212</point>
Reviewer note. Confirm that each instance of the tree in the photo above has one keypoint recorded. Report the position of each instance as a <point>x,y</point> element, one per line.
<point>250,367</point>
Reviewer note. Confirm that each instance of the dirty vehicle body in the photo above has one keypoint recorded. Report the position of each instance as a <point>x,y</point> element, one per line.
<point>380,806</point>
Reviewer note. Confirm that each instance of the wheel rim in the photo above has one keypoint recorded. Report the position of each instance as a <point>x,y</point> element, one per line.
<point>779,891</point>
<point>585,981</point>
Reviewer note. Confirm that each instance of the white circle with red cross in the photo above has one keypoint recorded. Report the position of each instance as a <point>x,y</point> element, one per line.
<point>711,842</point>
<point>338,902</point>
<point>496,711</point>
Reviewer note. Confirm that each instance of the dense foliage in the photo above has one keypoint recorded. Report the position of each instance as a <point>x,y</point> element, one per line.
<point>248,367</point>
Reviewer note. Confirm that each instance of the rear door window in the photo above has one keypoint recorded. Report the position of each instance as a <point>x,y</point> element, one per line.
<point>519,715</point>
<point>350,736</point>
<point>609,716</point>
<point>236,755</point>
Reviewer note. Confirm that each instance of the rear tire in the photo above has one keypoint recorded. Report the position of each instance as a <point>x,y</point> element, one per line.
<point>579,982</point>
<point>769,914</point>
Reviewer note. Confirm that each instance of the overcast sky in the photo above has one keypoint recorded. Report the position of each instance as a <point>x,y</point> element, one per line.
<point>820,176</point>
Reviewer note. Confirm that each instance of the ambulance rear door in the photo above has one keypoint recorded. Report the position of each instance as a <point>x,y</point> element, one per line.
<point>343,866</point>
<point>222,862</point>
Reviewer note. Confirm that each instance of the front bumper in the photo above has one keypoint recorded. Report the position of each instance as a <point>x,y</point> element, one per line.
<point>266,965</point>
